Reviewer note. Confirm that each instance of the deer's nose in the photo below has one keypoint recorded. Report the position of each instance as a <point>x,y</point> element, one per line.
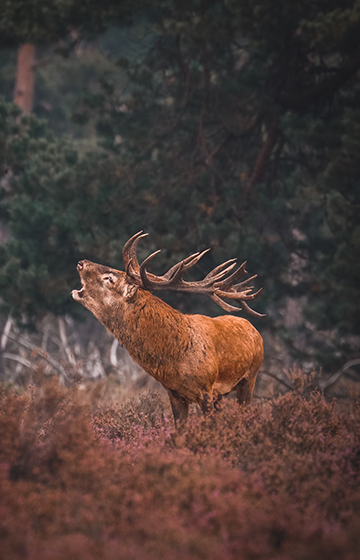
<point>80,265</point>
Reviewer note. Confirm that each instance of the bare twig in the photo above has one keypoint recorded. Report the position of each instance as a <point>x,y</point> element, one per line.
<point>23,342</point>
<point>325,384</point>
<point>64,340</point>
<point>19,359</point>
<point>285,383</point>
<point>262,397</point>
<point>113,356</point>
<point>6,331</point>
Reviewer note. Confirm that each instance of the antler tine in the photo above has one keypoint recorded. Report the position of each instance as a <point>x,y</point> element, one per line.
<point>148,284</point>
<point>214,279</point>
<point>234,276</point>
<point>238,287</point>
<point>223,304</point>
<point>185,262</point>
<point>256,293</point>
<point>220,268</point>
<point>193,259</point>
<point>125,251</point>
<point>176,276</point>
<point>128,249</point>
<point>240,296</point>
<point>129,270</point>
<point>133,250</point>
<point>170,273</point>
<point>177,270</point>
<point>174,273</point>
<point>218,295</point>
<point>185,265</point>
<point>252,312</point>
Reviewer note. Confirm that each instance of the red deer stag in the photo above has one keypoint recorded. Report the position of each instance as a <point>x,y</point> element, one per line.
<point>197,359</point>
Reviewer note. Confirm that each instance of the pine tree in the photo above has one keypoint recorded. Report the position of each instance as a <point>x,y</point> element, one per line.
<point>238,130</point>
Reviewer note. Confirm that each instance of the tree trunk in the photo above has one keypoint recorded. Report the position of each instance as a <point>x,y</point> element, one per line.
<point>25,78</point>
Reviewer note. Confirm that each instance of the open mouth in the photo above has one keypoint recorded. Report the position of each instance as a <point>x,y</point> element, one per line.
<point>77,294</point>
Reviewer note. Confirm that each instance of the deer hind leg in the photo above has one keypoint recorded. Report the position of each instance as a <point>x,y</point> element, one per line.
<point>207,405</point>
<point>217,401</point>
<point>179,407</point>
<point>244,390</point>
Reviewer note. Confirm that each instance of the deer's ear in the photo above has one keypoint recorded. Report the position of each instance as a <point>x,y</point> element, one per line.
<point>129,290</point>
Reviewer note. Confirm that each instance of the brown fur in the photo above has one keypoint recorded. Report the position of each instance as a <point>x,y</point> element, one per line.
<point>196,358</point>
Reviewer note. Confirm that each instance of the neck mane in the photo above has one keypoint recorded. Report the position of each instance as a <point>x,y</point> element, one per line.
<point>152,331</point>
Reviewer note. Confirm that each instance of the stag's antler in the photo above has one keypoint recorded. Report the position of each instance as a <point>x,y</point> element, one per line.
<point>213,285</point>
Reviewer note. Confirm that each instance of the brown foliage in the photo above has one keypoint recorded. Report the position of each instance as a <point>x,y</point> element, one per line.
<point>279,480</point>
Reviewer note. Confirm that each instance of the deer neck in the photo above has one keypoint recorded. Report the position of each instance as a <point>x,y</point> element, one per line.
<point>153,333</point>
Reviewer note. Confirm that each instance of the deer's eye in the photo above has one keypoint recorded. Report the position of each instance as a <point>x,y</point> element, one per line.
<point>109,278</point>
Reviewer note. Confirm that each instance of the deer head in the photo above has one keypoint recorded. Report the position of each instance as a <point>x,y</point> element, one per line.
<point>101,287</point>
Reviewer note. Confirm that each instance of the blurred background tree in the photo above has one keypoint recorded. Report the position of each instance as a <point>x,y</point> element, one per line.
<point>227,124</point>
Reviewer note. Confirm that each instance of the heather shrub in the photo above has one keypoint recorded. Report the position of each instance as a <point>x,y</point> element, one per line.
<point>276,480</point>
<point>143,416</point>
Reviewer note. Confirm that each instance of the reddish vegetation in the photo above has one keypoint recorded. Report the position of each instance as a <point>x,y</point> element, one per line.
<point>277,480</point>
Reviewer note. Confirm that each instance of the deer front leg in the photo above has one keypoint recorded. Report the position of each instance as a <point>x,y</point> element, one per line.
<point>179,407</point>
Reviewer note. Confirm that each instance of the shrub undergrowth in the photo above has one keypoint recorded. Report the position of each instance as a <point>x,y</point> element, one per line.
<point>277,480</point>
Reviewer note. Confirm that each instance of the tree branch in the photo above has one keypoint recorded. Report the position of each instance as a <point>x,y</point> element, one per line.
<point>263,157</point>
<point>328,87</point>
<point>19,359</point>
<point>279,380</point>
<point>323,385</point>
<point>23,342</point>
<point>184,67</point>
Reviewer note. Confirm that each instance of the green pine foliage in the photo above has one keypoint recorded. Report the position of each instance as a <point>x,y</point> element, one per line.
<point>221,85</point>
<point>235,128</point>
<point>47,21</point>
<point>57,209</point>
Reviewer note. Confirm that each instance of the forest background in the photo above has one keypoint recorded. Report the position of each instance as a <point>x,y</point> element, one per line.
<point>226,124</point>
<point>230,124</point>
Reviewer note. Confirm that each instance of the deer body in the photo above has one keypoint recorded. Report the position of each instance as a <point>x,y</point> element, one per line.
<point>196,358</point>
